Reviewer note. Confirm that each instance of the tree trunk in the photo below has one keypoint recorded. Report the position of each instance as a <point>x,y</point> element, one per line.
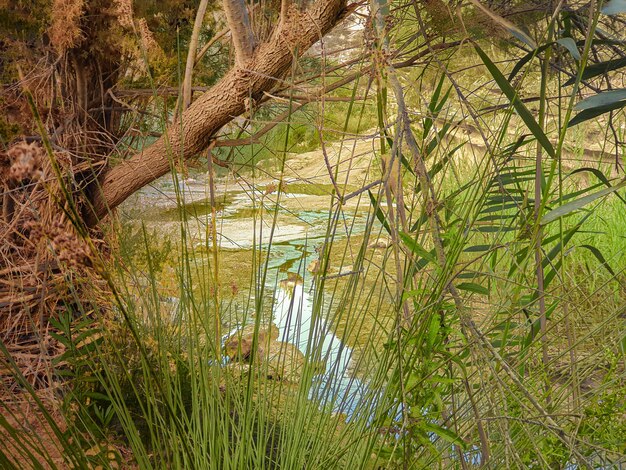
<point>227,99</point>
<point>243,37</point>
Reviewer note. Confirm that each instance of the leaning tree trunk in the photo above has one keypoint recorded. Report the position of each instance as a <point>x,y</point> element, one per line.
<point>243,84</point>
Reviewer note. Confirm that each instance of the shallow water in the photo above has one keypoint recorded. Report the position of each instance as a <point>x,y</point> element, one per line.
<point>335,388</point>
<point>246,219</point>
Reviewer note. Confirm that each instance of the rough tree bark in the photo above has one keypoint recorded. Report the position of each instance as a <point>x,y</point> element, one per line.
<point>244,83</point>
<point>239,22</point>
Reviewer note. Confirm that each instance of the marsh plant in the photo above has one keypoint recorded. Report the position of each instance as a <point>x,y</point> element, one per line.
<point>421,268</point>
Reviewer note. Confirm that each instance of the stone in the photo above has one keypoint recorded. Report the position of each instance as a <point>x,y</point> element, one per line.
<point>284,362</point>
<point>293,280</point>
<point>238,370</point>
<point>314,266</point>
<point>380,244</point>
<point>238,347</point>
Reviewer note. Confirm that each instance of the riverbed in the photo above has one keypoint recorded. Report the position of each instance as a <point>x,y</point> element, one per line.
<point>268,231</point>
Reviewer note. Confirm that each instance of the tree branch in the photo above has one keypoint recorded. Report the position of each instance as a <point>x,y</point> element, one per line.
<point>255,138</point>
<point>284,8</point>
<point>208,45</point>
<point>239,24</point>
<point>218,106</point>
<point>191,53</point>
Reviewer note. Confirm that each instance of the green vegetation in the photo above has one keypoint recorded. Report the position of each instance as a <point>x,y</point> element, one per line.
<point>467,252</point>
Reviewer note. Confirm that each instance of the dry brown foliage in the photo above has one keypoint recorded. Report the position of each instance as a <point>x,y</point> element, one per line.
<point>46,268</point>
<point>28,418</point>
<point>124,12</point>
<point>64,31</point>
<point>25,416</point>
<point>46,265</point>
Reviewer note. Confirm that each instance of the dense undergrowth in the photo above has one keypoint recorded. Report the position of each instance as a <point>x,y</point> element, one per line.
<point>483,297</point>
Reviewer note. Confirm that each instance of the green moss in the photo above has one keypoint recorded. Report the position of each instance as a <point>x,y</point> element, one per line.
<point>7,131</point>
<point>311,189</point>
<point>182,212</point>
<point>248,212</point>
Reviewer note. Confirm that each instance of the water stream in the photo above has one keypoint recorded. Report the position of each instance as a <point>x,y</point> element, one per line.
<point>298,231</point>
<point>335,387</point>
